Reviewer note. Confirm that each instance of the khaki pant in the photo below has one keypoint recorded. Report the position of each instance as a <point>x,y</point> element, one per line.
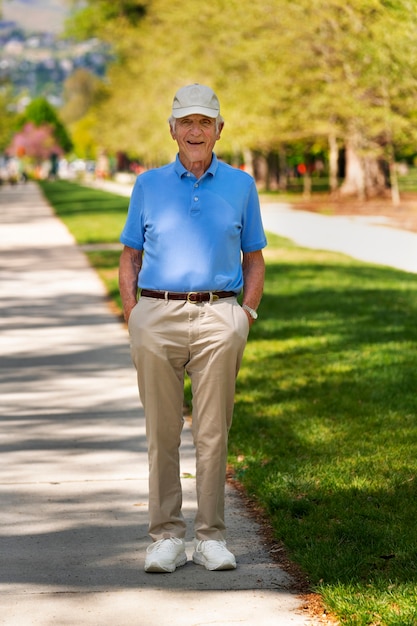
<point>207,341</point>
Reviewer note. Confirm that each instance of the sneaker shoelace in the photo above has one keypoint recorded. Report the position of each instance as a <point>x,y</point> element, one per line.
<point>155,547</point>
<point>211,546</point>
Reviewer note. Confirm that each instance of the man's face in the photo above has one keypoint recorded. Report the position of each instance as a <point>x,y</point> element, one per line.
<point>196,135</point>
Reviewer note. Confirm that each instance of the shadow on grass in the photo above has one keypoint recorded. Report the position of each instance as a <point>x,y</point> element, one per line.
<point>357,302</point>
<point>69,199</point>
<point>325,421</point>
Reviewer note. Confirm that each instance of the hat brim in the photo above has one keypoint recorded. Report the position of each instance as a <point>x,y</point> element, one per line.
<point>195,110</point>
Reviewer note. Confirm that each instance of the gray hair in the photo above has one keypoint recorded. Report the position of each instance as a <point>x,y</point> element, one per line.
<point>173,120</point>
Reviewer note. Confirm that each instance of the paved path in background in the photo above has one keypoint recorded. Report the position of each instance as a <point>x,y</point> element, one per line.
<point>73,476</point>
<point>363,238</point>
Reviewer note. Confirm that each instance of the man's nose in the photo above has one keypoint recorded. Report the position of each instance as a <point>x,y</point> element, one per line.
<point>195,128</point>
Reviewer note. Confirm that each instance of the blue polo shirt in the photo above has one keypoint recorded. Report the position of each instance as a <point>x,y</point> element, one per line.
<point>193,231</point>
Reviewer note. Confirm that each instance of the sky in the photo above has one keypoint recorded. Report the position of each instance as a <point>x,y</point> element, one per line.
<point>36,15</point>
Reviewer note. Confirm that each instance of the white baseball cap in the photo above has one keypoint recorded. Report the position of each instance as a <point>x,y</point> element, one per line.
<point>195,99</point>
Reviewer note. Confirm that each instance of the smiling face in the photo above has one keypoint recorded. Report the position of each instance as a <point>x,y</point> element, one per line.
<point>196,135</point>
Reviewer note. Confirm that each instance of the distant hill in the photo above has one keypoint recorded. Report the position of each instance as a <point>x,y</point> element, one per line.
<point>36,15</point>
<point>34,58</point>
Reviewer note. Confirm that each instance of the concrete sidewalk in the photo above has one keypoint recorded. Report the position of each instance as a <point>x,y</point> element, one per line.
<point>363,238</point>
<point>73,477</point>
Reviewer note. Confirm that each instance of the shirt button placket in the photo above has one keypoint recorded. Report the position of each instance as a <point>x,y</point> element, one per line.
<point>195,203</point>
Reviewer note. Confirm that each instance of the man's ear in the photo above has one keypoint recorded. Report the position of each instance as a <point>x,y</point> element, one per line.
<point>219,132</point>
<point>172,133</point>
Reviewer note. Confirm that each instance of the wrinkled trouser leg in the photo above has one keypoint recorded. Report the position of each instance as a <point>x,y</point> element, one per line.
<point>206,340</point>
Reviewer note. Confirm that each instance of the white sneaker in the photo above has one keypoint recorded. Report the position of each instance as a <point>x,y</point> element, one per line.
<point>213,555</point>
<point>165,555</point>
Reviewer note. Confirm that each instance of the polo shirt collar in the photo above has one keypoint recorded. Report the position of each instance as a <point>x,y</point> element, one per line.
<point>182,171</point>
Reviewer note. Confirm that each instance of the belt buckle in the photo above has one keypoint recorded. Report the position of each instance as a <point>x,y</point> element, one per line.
<point>192,293</point>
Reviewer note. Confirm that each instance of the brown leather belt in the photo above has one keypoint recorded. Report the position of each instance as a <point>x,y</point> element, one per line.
<point>191,296</point>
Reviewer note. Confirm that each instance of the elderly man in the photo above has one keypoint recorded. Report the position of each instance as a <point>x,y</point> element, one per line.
<point>193,241</point>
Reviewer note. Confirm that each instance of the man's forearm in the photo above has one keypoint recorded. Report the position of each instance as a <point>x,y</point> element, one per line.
<point>129,268</point>
<point>253,267</point>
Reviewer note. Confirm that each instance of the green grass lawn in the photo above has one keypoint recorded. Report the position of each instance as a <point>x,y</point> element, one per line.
<point>93,216</point>
<point>324,436</point>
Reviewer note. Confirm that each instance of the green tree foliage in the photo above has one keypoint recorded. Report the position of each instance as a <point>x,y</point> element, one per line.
<point>286,71</point>
<point>7,116</point>
<point>106,18</point>
<point>84,136</point>
<point>41,113</point>
<point>80,90</point>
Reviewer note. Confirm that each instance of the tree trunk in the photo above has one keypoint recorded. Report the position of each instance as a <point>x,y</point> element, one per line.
<point>307,185</point>
<point>366,176</point>
<point>283,170</point>
<point>395,191</point>
<point>354,183</point>
<point>260,170</point>
<point>248,161</point>
<point>272,179</point>
<point>376,177</point>
<point>393,177</point>
<point>333,163</point>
